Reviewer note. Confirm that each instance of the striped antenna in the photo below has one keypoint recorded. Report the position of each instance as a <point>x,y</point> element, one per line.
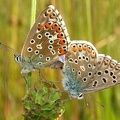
<point>8,48</point>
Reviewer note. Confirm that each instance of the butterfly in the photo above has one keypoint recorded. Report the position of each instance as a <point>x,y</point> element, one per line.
<point>46,42</point>
<point>86,71</point>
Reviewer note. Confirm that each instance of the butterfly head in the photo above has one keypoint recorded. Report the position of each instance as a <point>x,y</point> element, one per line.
<point>17,58</point>
<point>27,65</point>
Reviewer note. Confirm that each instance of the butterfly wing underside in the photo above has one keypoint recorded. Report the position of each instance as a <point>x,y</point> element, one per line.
<point>107,74</point>
<point>80,65</point>
<point>87,71</point>
<point>47,40</point>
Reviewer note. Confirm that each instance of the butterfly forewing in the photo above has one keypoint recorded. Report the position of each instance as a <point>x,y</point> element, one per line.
<point>48,38</point>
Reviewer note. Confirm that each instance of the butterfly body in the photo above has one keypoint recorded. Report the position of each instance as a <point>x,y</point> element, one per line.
<point>46,42</point>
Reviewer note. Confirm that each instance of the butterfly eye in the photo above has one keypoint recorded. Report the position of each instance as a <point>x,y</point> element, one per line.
<point>17,58</point>
<point>80,96</point>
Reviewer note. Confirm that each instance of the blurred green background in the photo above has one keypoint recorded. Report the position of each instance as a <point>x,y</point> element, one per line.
<point>97,21</point>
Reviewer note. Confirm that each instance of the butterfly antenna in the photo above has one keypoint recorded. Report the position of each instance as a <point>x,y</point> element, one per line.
<point>85,101</point>
<point>8,48</point>
<point>91,96</point>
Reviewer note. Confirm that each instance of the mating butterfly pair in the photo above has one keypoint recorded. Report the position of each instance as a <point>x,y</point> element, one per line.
<point>48,45</point>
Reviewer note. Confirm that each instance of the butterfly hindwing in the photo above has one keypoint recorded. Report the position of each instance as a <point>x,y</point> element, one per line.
<point>107,74</point>
<point>79,67</point>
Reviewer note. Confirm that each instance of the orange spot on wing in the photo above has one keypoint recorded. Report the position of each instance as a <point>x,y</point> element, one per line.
<point>58,30</point>
<point>47,25</point>
<point>84,47</point>
<point>61,41</point>
<point>93,54</point>
<point>89,49</point>
<point>52,16</point>
<point>62,51</point>
<point>74,49</point>
<point>60,35</point>
<point>54,26</point>
<point>40,27</point>
<point>80,49</point>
